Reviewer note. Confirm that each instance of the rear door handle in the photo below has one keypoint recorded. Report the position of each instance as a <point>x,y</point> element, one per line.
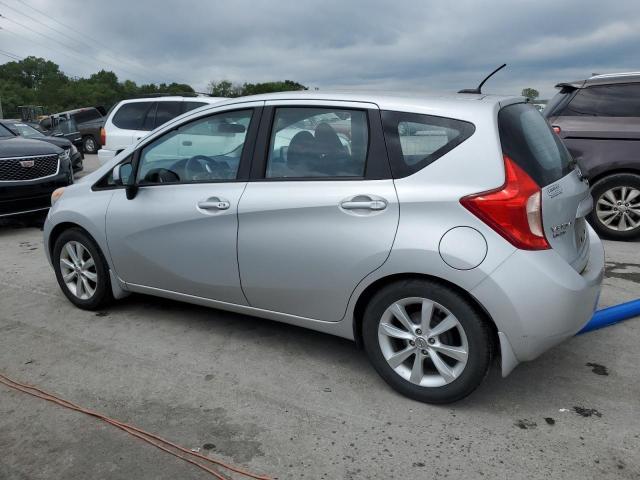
<point>214,203</point>
<point>364,205</point>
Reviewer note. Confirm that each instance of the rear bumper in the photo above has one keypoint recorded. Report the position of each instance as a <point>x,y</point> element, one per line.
<point>105,155</point>
<point>29,196</point>
<point>537,300</point>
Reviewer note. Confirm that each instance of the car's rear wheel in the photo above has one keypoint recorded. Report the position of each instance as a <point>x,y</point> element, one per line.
<point>81,270</point>
<point>89,144</point>
<point>427,341</point>
<point>616,211</point>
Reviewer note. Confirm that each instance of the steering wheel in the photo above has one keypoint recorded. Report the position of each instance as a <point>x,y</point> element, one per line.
<point>198,167</point>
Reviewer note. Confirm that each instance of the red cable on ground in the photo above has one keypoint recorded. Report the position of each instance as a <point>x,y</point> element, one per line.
<point>132,430</point>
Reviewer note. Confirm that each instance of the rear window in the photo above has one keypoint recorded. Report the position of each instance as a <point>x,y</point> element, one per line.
<point>131,116</point>
<point>528,140</point>
<point>416,140</point>
<point>557,104</point>
<point>621,100</point>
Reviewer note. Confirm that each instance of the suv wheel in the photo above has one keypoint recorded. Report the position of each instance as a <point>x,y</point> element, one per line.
<point>616,212</point>
<point>89,144</point>
<point>81,270</point>
<point>427,341</point>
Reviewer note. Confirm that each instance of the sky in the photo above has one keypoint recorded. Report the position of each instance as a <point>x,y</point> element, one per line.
<point>362,45</point>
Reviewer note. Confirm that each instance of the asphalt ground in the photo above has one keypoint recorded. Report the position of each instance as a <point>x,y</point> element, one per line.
<point>289,402</point>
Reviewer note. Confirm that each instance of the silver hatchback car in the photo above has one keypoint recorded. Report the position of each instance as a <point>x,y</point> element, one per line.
<point>436,232</point>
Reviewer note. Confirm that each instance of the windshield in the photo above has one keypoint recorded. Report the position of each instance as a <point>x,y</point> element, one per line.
<point>25,130</point>
<point>5,132</point>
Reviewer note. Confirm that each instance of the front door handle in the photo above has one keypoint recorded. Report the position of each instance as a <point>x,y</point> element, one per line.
<point>214,203</point>
<point>362,202</point>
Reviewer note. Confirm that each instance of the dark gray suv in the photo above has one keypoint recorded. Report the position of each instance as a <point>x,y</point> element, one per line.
<point>599,121</point>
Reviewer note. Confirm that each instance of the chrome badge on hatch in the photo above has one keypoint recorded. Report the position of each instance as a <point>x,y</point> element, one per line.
<point>560,229</point>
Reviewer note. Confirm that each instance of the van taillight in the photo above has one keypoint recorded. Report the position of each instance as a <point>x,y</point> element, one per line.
<point>103,136</point>
<point>556,129</point>
<point>513,210</point>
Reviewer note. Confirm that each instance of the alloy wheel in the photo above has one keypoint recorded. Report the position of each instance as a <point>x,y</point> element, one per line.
<point>423,342</point>
<point>78,270</point>
<point>619,208</point>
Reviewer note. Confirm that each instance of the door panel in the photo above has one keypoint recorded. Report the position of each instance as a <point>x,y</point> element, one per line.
<point>303,246</point>
<point>164,239</point>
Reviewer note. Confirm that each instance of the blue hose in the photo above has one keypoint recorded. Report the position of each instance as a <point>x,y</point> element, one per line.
<point>612,315</point>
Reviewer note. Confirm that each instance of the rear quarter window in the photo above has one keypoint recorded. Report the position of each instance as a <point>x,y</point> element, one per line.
<point>415,141</point>
<point>527,138</point>
<point>131,116</point>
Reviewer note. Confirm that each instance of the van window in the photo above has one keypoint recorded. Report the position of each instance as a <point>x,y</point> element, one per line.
<point>167,111</point>
<point>527,138</point>
<point>131,116</point>
<point>622,100</point>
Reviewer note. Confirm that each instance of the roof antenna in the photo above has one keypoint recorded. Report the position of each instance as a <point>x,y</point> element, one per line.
<point>478,89</point>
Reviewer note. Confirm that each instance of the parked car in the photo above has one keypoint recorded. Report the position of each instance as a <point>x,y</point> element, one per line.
<point>27,131</point>
<point>30,170</point>
<point>82,126</point>
<point>130,120</point>
<point>599,121</point>
<point>436,232</point>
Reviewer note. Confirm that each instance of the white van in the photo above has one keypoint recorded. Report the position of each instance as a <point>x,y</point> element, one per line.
<point>130,120</point>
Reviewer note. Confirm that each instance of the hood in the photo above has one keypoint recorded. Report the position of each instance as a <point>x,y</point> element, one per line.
<point>57,141</point>
<point>24,147</point>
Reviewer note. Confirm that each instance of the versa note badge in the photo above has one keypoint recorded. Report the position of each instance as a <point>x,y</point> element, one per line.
<point>27,163</point>
<point>561,229</point>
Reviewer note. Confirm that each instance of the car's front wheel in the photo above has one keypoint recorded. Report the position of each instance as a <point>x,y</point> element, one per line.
<point>616,212</point>
<point>81,270</point>
<point>427,341</point>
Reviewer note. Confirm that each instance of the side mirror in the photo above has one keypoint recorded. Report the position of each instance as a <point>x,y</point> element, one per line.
<point>123,175</point>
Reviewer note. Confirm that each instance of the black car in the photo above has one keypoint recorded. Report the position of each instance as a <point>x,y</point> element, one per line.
<point>599,121</point>
<point>27,131</point>
<point>30,170</point>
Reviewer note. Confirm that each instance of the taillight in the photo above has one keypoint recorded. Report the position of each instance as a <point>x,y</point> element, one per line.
<point>556,129</point>
<point>103,136</point>
<point>513,210</point>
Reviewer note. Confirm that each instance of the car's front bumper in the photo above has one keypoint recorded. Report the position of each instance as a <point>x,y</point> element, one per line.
<point>537,300</point>
<point>30,196</point>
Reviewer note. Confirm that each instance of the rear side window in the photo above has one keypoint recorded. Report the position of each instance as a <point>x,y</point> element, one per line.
<point>87,115</point>
<point>621,100</point>
<point>415,141</point>
<point>131,116</point>
<point>167,111</point>
<point>193,105</point>
<point>528,140</point>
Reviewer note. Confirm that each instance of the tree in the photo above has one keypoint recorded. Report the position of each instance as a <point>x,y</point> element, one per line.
<point>225,88</point>
<point>530,93</point>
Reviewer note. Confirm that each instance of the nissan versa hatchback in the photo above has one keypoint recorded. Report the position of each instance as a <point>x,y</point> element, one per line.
<point>438,233</point>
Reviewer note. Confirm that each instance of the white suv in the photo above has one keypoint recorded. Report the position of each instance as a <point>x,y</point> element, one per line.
<point>130,120</point>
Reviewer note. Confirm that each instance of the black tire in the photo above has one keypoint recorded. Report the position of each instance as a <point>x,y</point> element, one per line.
<point>103,294</point>
<point>475,328</point>
<point>89,144</point>
<point>598,190</point>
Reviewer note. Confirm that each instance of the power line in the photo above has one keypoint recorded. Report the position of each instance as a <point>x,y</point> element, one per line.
<point>49,47</point>
<point>49,37</point>
<point>10,55</point>
<point>77,32</point>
